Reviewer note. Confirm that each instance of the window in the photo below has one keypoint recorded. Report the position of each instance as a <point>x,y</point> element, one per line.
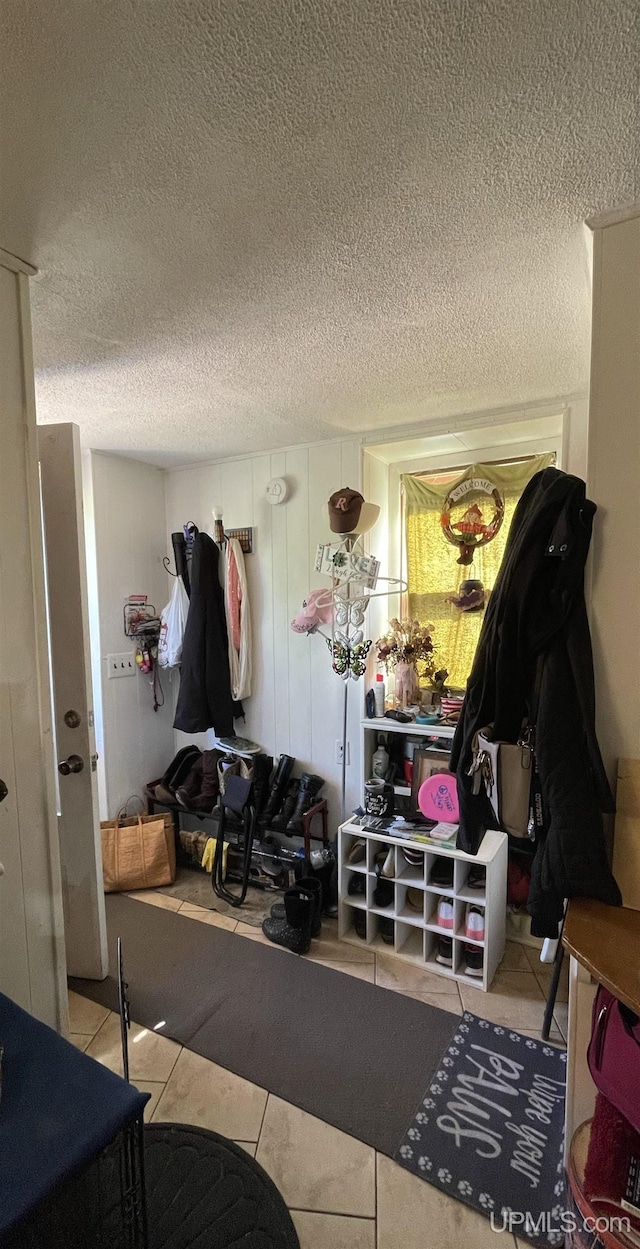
<point>433,574</point>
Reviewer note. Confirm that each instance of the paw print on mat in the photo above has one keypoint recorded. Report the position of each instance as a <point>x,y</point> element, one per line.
<point>428,1103</point>
<point>464,1188</point>
<point>406,1151</point>
<point>436,1088</point>
<point>498,1031</point>
<point>444,1176</point>
<point>422,1118</point>
<point>425,1163</point>
<point>515,1036</point>
<point>413,1134</point>
<point>486,1201</point>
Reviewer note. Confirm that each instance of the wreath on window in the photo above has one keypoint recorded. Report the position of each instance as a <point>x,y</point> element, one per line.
<point>470,530</point>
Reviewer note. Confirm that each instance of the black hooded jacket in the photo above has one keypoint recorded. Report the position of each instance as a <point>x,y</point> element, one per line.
<point>536,632</point>
<point>204,700</point>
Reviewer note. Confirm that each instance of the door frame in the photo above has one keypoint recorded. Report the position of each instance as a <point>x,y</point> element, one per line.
<point>30,822</point>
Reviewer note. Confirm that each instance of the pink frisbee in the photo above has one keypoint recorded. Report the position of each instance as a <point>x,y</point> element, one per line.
<point>438,798</point>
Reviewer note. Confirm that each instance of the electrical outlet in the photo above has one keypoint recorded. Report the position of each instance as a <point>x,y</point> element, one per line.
<point>121,665</point>
<point>339,751</point>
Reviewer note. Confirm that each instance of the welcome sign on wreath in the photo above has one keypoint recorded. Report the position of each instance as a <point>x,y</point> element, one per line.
<point>469,529</point>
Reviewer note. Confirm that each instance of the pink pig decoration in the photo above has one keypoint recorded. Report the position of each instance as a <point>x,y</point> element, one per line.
<point>311,617</point>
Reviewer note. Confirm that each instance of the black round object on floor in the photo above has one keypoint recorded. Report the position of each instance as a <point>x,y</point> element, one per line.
<point>205,1192</point>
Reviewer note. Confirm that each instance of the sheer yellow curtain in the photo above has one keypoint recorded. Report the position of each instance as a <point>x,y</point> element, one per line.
<point>432,569</point>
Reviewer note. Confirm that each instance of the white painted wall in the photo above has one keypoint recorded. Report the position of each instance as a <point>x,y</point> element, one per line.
<point>296,705</point>
<point>125,509</point>
<point>614,484</point>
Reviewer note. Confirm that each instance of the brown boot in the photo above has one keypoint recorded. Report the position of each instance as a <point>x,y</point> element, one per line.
<point>207,797</point>
<point>191,786</point>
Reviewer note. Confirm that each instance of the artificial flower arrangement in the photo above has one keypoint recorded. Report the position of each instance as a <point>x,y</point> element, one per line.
<point>407,642</point>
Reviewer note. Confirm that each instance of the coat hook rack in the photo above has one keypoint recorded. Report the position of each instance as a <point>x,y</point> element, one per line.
<point>244,535</point>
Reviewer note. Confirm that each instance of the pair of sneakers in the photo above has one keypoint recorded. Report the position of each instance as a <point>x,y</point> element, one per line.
<point>473,931</point>
<point>474,919</point>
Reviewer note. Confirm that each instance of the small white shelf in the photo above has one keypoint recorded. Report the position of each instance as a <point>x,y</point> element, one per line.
<point>410,728</point>
<point>415,932</point>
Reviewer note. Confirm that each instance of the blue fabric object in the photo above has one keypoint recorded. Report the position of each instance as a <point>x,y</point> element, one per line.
<point>59,1110</point>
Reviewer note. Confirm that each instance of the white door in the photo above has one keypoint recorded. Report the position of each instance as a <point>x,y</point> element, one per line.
<point>32,960</point>
<point>79,826</point>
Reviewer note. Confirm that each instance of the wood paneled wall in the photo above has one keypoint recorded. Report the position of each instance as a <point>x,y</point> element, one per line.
<point>297,701</point>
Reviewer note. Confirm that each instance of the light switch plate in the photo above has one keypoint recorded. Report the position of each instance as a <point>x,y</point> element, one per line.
<point>121,665</point>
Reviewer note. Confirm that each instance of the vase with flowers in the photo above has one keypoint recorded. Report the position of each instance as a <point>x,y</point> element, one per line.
<point>406,646</point>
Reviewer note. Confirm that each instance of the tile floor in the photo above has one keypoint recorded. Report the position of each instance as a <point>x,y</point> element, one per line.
<point>341,1194</point>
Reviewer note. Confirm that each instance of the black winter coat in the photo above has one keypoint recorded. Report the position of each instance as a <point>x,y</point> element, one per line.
<point>205,701</point>
<point>536,622</point>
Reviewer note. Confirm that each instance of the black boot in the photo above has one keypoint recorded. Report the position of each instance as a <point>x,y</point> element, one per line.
<point>294,930</point>
<point>278,786</point>
<point>262,767</point>
<point>310,787</point>
<point>314,887</point>
<point>280,821</point>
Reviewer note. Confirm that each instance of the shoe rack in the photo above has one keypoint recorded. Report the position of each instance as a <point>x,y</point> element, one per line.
<point>414,922</point>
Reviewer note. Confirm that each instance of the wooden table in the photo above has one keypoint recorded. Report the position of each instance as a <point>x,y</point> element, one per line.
<point>604,946</point>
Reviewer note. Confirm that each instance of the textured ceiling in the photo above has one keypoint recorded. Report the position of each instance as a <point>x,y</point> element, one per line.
<point>259,222</point>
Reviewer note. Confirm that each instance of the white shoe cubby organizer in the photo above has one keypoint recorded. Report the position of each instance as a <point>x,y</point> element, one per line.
<point>415,921</point>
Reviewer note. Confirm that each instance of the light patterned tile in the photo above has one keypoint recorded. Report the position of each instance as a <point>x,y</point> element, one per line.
<point>315,1166</point>
<point>444,1001</point>
<point>151,1056</point>
<point>515,958</point>
<point>515,999</point>
<point>544,973</point>
<point>248,1146</point>
<point>155,1089</point>
<point>363,971</point>
<point>393,973</point>
<point>561,1016</point>
<point>206,916</point>
<point>414,1215</point>
<point>209,1096</point>
<point>329,948</point>
<point>319,1231</point>
<point>256,934</point>
<point>164,900</point>
<point>84,1015</point>
<point>80,1040</point>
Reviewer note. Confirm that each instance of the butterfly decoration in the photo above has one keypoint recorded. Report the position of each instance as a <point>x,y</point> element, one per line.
<point>349,655</point>
<point>349,612</point>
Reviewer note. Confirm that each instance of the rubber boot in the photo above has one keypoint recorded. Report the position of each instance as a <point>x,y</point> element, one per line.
<point>262,768</point>
<point>278,785</point>
<point>314,887</point>
<point>206,799</point>
<point>293,931</point>
<point>191,785</point>
<point>280,821</point>
<point>310,787</point>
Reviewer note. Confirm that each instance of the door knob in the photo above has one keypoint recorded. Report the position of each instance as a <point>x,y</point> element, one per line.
<point>73,764</point>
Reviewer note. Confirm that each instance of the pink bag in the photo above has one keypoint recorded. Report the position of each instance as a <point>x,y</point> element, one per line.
<point>614,1054</point>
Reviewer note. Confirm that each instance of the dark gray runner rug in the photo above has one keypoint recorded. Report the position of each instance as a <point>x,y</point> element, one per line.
<point>354,1055</point>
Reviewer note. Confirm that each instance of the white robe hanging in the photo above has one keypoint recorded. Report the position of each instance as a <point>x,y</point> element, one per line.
<point>236,602</point>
